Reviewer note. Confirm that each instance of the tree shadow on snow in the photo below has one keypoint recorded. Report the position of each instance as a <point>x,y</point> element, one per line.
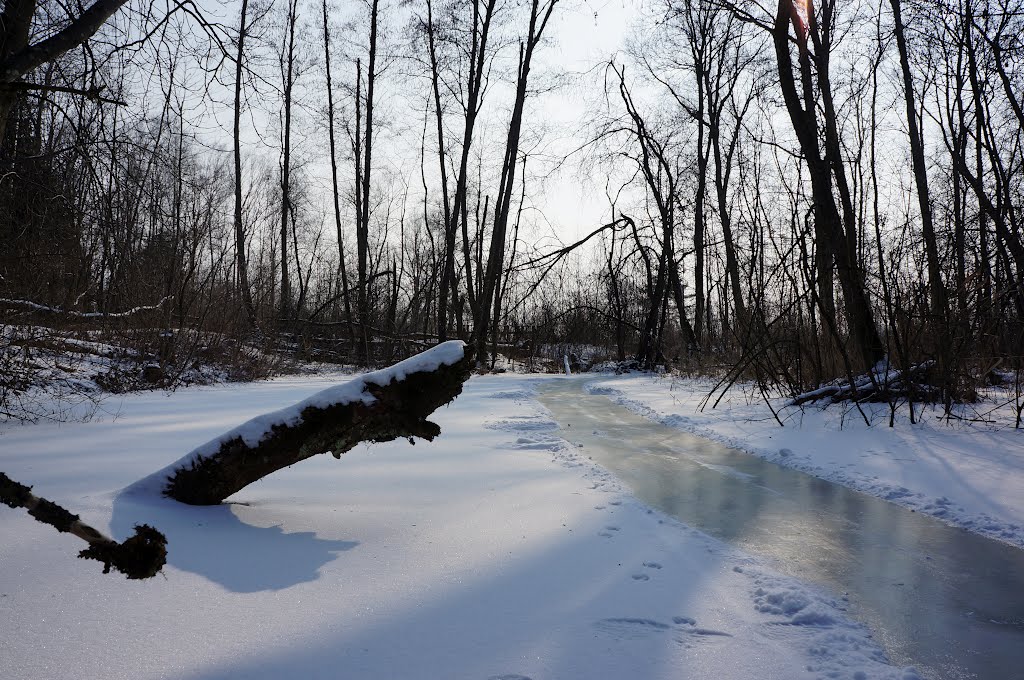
<point>213,542</point>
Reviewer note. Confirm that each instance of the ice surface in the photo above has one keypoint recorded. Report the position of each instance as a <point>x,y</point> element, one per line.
<point>968,474</point>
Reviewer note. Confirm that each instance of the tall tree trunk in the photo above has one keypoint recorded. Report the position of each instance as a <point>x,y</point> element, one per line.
<point>938,291</point>
<point>240,243</point>
<point>335,193</point>
<point>448,257</point>
<point>828,223</point>
<point>363,233</point>
<point>288,64</point>
<point>460,208</point>
<point>496,252</point>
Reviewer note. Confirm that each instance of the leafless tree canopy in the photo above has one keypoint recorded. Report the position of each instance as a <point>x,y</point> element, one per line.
<point>795,191</point>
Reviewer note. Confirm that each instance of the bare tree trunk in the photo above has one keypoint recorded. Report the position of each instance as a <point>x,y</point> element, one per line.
<point>828,223</point>
<point>931,249</point>
<point>288,63</point>
<point>363,229</point>
<point>335,193</point>
<point>495,259</point>
<point>240,242</point>
<point>448,257</point>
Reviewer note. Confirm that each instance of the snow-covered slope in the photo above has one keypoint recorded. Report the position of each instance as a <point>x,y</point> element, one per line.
<point>496,551</point>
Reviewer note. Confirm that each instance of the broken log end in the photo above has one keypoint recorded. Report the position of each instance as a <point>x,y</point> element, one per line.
<point>141,556</point>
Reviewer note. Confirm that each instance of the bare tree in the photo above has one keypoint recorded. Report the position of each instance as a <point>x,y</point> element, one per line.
<point>540,14</point>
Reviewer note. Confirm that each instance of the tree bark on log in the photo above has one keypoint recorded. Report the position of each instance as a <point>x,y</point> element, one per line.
<point>378,407</point>
<point>142,555</point>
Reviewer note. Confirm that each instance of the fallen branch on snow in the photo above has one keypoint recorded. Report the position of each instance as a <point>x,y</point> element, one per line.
<point>142,555</point>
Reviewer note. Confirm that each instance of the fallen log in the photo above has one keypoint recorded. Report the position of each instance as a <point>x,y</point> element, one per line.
<point>68,318</point>
<point>377,407</point>
<point>884,383</point>
<point>142,555</point>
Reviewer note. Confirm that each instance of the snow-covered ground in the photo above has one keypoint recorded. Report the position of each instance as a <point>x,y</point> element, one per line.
<point>969,474</point>
<point>494,552</point>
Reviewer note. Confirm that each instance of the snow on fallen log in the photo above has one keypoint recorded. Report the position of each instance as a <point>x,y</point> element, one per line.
<point>881,384</point>
<point>142,555</point>
<point>72,318</point>
<point>377,407</point>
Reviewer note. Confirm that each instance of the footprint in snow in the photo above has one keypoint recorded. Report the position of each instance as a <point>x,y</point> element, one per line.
<point>641,577</point>
<point>628,628</point>
<point>706,632</point>
<point>612,528</point>
<point>691,637</point>
<point>652,565</point>
<point>605,534</point>
<point>689,634</point>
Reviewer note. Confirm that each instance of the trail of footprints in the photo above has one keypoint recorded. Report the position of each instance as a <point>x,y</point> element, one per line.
<point>684,628</point>
<point>534,435</point>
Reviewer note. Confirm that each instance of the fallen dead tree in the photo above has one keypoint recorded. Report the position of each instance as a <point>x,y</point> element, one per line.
<point>380,406</point>
<point>882,384</point>
<point>142,555</point>
<point>68,318</point>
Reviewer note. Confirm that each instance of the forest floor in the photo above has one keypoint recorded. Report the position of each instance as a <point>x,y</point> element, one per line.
<point>967,471</point>
<point>496,551</point>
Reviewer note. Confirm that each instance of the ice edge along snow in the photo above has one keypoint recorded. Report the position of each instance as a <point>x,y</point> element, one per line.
<point>254,430</point>
<point>941,507</point>
<point>835,646</point>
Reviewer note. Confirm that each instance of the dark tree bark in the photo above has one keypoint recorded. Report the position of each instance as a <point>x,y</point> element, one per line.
<point>539,16</point>
<point>382,412</point>
<point>448,260</point>
<point>459,211</point>
<point>288,76</point>
<point>363,188</point>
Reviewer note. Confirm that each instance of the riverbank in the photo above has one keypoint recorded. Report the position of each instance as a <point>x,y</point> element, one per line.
<point>968,474</point>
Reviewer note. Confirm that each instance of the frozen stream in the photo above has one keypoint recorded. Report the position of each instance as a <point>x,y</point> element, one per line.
<point>942,599</point>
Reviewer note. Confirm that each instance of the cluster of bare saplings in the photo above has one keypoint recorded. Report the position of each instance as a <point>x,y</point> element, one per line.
<point>822,196</point>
